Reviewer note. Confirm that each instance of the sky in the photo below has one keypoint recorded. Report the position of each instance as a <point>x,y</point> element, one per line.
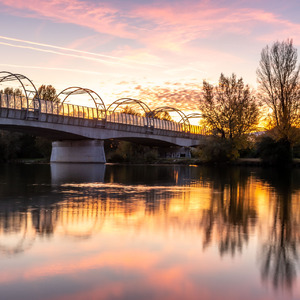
<point>156,51</point>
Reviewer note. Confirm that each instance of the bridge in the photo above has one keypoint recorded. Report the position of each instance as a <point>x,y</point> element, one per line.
<point>78,132</point>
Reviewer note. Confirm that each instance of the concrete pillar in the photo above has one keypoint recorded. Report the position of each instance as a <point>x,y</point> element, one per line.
<point>84,151</point>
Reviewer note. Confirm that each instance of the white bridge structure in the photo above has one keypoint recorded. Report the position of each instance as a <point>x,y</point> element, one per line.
<point>78,132</point>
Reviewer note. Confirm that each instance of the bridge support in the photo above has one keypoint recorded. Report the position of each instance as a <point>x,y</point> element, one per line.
<point>84,151</point>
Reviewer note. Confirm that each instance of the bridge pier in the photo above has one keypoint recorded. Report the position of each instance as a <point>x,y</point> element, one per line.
<point>82,151</point>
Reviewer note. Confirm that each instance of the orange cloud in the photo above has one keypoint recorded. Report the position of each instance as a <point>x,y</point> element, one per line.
<point>182,96</point>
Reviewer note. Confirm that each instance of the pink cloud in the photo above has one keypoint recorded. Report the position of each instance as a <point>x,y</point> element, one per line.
<point>165,26</point>
<point>174,26</point>
<point>101,18</point>
<point>141,261</point>
<point>177,25</point>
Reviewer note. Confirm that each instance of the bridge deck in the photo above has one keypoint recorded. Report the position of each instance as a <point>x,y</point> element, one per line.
<point>20,108</point>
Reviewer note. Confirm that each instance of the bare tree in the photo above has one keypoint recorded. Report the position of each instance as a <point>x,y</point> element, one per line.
<point>278,78</point>
<point>229,110</point>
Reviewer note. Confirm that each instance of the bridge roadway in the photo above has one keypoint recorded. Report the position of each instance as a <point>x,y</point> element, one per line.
<point>78,132</point>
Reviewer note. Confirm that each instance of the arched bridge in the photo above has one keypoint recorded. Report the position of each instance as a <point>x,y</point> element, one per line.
<point>78,131</point>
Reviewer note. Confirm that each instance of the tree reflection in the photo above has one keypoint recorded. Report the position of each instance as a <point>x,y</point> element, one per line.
<point>43,221</point>
<point>231,213</point>
<point>76,211</point>
<point>280,253</point>
<point>16,236</point>
<point>165,200</point>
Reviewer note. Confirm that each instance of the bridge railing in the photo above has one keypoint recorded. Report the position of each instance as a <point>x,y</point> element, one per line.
<point>20,107</point>
<point>154,123</point>
<point>121,118</point>
<point>69,110</point>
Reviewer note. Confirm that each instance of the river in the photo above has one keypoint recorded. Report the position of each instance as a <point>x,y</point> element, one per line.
<point>75,231</point>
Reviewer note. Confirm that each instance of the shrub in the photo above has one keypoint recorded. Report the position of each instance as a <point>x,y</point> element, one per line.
<point>151,156</point>
<point>296,150</point>
<point>116,158</point>
<point>218,150</point>
<point>275,152</point>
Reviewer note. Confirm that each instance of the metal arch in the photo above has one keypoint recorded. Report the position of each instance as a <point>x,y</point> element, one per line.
<point>19,77</point>
<point>183,119</point>
<point>76,90</point>
<point>192,116</point>
<point>125,101</point>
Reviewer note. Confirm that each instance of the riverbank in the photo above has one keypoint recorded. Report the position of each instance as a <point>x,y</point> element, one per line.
<point>29,161</point>
<point>257,162</point>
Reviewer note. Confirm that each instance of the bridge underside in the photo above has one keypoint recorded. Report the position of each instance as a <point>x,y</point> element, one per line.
<point>52,135</point>
<point>84,143</point>
<point>55,135</point>
<point>61,132</point>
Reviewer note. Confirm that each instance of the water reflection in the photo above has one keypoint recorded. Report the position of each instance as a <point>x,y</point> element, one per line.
<point>181,214</point>
<point>280,252</point>
<point>232,212</point>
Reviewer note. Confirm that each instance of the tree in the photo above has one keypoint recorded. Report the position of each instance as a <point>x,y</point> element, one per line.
<point>11,91</point>
<point>47,93</point>
<point>229,110</point>
<point>278,78</point>
<point>163,115</point>
<point>130,111</point>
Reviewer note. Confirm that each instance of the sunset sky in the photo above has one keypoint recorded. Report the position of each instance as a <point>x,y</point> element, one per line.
<point>156,51</point>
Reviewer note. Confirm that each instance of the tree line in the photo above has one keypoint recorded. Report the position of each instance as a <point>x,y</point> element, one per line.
<point>241,122</point>
<point>234,114</point>
<point>17,145</point>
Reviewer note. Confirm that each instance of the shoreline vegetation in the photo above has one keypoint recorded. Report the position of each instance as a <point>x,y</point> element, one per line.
<point>244,127</point>
<point>262,151</point>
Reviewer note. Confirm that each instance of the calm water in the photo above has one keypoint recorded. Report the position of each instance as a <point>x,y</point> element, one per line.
<point>148,232</point>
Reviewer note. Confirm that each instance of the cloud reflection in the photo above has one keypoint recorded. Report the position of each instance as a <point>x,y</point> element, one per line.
<point>111,239</point>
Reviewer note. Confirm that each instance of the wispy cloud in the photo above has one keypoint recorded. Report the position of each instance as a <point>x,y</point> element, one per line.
<point>51,69</point>
<point>108,59</point>
<point>60,48</point>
